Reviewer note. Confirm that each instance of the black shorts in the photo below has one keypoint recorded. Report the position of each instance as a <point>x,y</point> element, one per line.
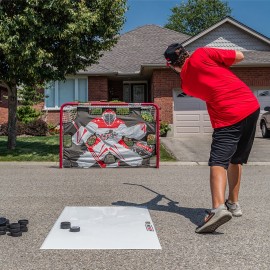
<point>233,144</point>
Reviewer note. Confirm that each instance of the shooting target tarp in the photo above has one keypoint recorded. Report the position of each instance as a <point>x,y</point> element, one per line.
<point>109,135</point>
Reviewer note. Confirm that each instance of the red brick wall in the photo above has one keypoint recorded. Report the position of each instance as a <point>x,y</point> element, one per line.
<point>51,117</point>
<point>163,81</point>
<point>98,89</point>
<point>254,76</point>
<point>3,105</point>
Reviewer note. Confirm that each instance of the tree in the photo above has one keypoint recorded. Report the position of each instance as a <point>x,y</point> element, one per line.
<point>29,96</point>
<point>45,40</point>
<point>193,16</point>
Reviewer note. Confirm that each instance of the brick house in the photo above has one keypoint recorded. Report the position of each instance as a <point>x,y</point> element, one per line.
<point>135,71</point>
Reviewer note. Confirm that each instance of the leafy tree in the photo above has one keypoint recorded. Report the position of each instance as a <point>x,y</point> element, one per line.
<point>193,16</point>
<point>44,40</point>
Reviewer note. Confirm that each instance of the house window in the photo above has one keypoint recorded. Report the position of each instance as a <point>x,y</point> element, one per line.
<point>59,92</point>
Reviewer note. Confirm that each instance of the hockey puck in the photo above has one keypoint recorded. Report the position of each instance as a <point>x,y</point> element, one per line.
<point>3,221</point>
<point>14,225</point>
<point>75,229</point>
<point>24,229</point>
<point>2,232</point>
<point>65,225</point>
<point>15,230</point>
<point>16,234</point>
<point>23,221</point>
<point>3,228</point>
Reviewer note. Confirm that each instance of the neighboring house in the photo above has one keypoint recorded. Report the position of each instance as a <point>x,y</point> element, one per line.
<point>135,71</point>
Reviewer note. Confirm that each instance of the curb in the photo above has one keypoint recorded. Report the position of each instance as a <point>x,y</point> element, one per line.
<point>202,163</point>
<point>162,163</point>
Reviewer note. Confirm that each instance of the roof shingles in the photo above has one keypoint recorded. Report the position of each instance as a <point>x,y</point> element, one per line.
<point>145,46</point>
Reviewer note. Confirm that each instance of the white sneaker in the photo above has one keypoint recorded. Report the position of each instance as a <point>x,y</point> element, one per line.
<point>214,219</point>
<point>234,208</point>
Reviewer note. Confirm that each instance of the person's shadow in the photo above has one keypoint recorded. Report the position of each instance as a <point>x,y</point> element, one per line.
<point>195,215</point>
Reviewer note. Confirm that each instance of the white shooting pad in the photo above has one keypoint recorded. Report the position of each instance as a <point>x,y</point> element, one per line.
<point>104,228</point>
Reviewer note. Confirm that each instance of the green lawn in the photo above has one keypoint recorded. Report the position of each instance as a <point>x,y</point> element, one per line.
<point>44,149</point>
<point>31,149</point>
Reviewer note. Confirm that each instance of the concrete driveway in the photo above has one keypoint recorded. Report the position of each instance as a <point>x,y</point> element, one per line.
<point>176,197</point>
<point>196,148</point>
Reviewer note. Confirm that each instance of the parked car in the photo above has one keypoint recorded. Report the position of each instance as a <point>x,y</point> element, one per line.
<point>265,123</point>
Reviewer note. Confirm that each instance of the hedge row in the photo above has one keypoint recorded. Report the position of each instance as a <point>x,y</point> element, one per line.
<point>36,128</point>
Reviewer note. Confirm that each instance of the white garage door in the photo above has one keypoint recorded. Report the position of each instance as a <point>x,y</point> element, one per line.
<point>191,117</point>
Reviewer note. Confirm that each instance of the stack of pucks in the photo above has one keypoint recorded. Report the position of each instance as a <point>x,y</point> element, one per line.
<point>23,225</point>
<point>15,230</point>
<point>3,225</point>
<point>67,225</point>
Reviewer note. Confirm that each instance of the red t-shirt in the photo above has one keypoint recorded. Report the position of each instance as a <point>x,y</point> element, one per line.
<point>206,75</point>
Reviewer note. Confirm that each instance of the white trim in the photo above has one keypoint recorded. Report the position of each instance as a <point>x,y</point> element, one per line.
<point>56,94</point>
<point>76,94</point>
<point>229,20</point>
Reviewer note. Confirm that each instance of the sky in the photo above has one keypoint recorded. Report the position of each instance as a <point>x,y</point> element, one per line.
<point>253,13</point>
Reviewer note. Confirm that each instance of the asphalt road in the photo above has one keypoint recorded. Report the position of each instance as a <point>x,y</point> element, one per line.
<point>176,197</point>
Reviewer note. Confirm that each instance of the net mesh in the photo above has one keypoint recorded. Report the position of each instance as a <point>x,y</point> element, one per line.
<point>69,114</point>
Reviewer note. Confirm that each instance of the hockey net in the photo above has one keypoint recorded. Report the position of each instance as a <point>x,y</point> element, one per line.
<point>109,135</point>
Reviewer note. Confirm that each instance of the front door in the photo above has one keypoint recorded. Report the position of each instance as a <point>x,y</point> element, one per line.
<point>134,93</point>
<point>138,93</point>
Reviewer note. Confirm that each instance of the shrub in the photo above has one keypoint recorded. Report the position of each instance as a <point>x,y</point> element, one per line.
<point>3,129</point>
<point>53,129</point>
<point>96,111</point>
<point>122,111</point>
<point>164,127</point>
<point>147,116</point>
<point>27,114</point>
<point>20,129</point>
<point>37,128</point>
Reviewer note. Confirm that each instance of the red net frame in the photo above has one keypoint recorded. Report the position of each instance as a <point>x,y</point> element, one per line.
<point>64,117</point>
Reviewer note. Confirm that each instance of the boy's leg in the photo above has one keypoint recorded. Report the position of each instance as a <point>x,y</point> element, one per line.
<point>234,178</point>
<point>218,180</point>
<point>219,214</point>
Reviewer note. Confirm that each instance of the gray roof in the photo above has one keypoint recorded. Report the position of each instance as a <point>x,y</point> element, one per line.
<point>256,58</point>
<point>145,45</point>
<point>142,46</point>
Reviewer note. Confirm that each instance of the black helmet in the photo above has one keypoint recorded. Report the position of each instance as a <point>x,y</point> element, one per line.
<point>170,54</point>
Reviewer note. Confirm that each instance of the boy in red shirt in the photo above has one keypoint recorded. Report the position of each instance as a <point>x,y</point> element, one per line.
<point>233,111</point>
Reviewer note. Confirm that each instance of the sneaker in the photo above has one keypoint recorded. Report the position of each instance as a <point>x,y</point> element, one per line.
<point>215,218</point>
<point>234,208</point>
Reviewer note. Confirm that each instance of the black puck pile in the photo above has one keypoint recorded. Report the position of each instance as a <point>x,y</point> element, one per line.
<point>13,229</point>
<point>66,225</point>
